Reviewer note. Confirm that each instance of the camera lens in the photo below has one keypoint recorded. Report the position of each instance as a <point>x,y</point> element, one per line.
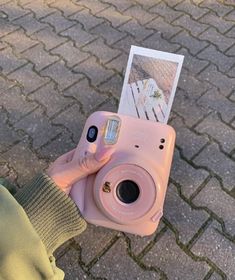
<point>127,191</point>
<point>92,134</point>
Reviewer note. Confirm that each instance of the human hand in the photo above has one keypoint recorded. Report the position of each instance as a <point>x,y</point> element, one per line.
<point>67,169</point>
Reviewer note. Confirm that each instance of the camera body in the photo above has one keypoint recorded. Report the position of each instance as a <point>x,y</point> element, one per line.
<point>128,193</point>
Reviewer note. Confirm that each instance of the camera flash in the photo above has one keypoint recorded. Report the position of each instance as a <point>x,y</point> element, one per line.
<point>112,130</point>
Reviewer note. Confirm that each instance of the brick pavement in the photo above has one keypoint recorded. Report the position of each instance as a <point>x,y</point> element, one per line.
<point>61,60</point>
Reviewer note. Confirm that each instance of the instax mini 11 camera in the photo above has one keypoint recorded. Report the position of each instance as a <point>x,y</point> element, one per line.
<point>128,193</point>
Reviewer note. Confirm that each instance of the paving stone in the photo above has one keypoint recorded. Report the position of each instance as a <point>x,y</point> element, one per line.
<point>73,120</point>
<point>223,62</point>
<point>51,98</point>
<point>193,26</point>
<point>29,79</point>
<point>102,51</point>
<point>218,201</point>
<point>136,30</point>
<point>213,126</point>
<point>4,169</point>
<point>216,247</point>
<point>175,263</point>
<point>87,96</point>
<point>162,9</point>
<point>19,41</point>
<point>71,54</point>
<point>230,16</point>
<point>85,18</point>
<point>94,71</point>
<point>39,57</point>
<point>221,41</point>
<point>211,157</point>
<point>79,36</point>
<point>125,268</point>
<point>37,125</point>
<point>8,135</point>
<point>39,8</point>
<point>195,11</point>
<point>6,27</point>
<point>186,220</point>
<point>9,62</point>
<point>94,5</point>
<point>225,84</point>
<point>66,7</point>
<point>190,143</point>
<point>218,22</point>
<point>13,11</point>
<point>115,18</point>
<point>138,13</point>
<point>121,5</point>
<point>110,34</point>
<point>148,3</point>
<point>217,7</point>
<point>215,276</point>
<point>186,176</point>
<point>69,263</point>
<point>49,38</point>
<point>166,29</point>
<point>125,44</point>
<point>110,105</point>
<point>30,24</point>
<point>59,22</point>
<point>113,85</point>
<point>16,104</point>
<point>24,162</point>
<point>186,40</point>
<point>217,102</point>
<point>119,63</point>
<point>93,241</point>
<point>61,75</point>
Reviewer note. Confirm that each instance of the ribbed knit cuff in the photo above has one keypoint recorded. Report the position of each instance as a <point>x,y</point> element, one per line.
<point>52,213</point>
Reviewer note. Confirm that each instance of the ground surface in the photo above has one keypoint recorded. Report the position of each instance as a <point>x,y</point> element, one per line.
<point>61,60</point>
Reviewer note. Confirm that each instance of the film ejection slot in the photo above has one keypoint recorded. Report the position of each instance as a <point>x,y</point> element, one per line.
<point>112,129</point>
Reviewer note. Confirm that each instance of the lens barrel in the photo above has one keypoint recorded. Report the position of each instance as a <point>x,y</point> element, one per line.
<point>127,191</point>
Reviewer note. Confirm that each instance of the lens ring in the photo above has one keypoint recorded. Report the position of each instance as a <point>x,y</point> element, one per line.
<point>127,191</point>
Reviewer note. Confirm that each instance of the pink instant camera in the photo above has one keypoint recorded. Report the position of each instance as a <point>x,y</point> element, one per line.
<point>128,193</point>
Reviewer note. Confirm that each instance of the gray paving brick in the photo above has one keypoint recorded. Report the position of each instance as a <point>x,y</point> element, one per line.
<point>94,71</point>
<point>37,125</point>
<point>186,40</point>
<point>222,204</point>
<point>173,3</point>
<point>114,17</point>
<point>138,13</point>
<point>148,3</point>
<point>231,72</point>
<point>79,36</point>
<point>193,26</point>
<point>85,18</point>
<point>162,9</point>
<point>167,30</point>
<point>221,41</point>
<point>175,263</point>
<point>186,220</point>
<point>70,54</point>
<point>59,22</point>
<point>215,276</point>
<point>211,157</point>
<point>110,34</point>
<point>39,57</point>
<point>6,27</point>
<point>66,7</point>
<point>231,33</point>
<point>186,176</point>
<point>216,247</point>
<point>195,11</point>
<point>230,16</point>
<point>12,99</point>
<point>39,8</point>
<point>94,5</point>
<point>110,105</point>
<point>73,120</point>
<point>113,85</point>
<point>221,81</point>
<point>30,24</point>
<point>61,75</point>
<point>49,38</point>
<point>9,62</point>
<point>121,5</point>
<point>126,268</point>
<point>189,142</point>
<point>13,11</point>
<point>231,51</point>
<point>217,102</point>
<point>218,22</point>
<point>223,62</point>
<point>19,41</point>
<point>119,63</point>
<point>217,7</point>
<point>51,98</point>
<point>125,44</point>
<point>24,161</point>
<point>101,50</point>
<point>87,96</point>
<point>219,131</point>
<point>29,79</point>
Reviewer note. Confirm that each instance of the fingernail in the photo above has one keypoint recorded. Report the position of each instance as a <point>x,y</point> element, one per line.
<point>103,153</point>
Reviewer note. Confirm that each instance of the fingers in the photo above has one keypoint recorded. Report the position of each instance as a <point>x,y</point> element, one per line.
<point>67,157</point>
<point>103,152</point>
